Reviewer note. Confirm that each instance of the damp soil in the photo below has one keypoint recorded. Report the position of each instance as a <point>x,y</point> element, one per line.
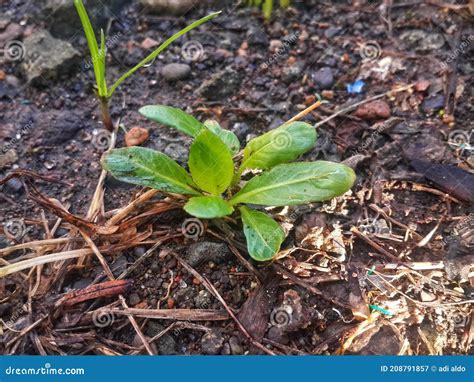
<point>253,75</point>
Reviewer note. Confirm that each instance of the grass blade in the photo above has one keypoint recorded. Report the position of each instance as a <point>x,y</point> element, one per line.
<point>93,47</point>
<point>162,47</point>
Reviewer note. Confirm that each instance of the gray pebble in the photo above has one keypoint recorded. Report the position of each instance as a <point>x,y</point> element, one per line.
<point>176,72</point>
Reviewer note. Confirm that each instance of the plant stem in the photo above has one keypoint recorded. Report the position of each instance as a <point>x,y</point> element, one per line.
<point>106,119</point>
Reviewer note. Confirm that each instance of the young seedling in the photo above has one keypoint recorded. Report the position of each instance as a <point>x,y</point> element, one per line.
<point>214,187</point>
<point>267,6</point>
<point>98,57</point>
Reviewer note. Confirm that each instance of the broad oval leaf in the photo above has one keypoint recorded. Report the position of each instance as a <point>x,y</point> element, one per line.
<point>281,145</point>
<point>226,136</point>
<point>264,235</point>
<point>146,167</point>
<point>208,207</point>
<point>210,163</point>
<point>297,183</point>
<point>172,117</point>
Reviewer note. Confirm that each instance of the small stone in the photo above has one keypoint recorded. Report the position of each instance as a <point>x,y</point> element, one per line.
<point>7,158</point>
<point>169,7</point>
<point>205,251</point>
<point>136,136</point>
<point>275,45</point>
<point>12,80</point>
<point>226,349</point>
<point>331,32</point>
<point>12,32</point>
<point>256,36</point>
<point>324,78</point>
<point>422,85</point>
<point>149,43</point>
<point>166,344</point>
<point>14,185</point>
<point>138,343</point>
<point>212,342</point>
<point>221,85</point>
<point>176,72</point>
<point>329,94</point>
<point>433,103</point>
<point>46,57</point>
<point>170,303</point>
<point>291,73</point>
<point>373,110</point>
<point>49,165</point>
<point>134,299</point>
<point>235,347</point>
<point>60,16</point>
<point>57,127</point>
<point>2,75</point>
<point>203,300</point>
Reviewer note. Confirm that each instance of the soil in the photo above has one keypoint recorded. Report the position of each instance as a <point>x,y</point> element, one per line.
<point>384,269</point>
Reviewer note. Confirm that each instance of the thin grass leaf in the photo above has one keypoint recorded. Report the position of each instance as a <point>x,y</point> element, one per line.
<point>162,47</point>
<point>93,47</point>
<point>267,9</point>
<point>101,59</point>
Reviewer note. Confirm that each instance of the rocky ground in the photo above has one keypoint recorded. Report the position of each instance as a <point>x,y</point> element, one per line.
<point>384,269</point>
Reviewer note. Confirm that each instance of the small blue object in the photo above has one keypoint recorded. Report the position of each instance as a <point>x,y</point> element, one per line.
<point>356,87</point>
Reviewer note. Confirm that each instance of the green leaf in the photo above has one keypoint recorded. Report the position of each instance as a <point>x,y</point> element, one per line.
<point>267,9</point>
<point>297,183</point>
<point>208,207</point>
<point>99,69</point>
<point>264,235</point>
<point>210,163</point>
<point>172,117</point>
<point>158,50</point>
<point>150,168</point>
<point>226,136</point>
<point>281,145</point>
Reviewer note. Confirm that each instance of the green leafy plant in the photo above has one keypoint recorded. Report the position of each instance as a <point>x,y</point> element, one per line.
<point>214,188</point>
<point>98,57</point>
<point>267,6</point>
